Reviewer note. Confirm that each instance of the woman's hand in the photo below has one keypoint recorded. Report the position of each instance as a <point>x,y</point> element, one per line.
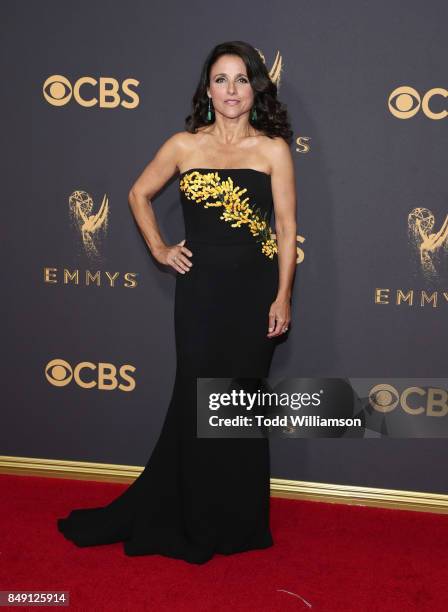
<point>175,256</point>
<point>279,317</point>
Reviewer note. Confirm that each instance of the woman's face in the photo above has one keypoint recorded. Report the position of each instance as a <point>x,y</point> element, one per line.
<point>229,88</point>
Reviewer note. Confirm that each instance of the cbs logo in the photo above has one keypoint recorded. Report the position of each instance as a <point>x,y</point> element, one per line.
<point>405,102</point>
<point>103,376</point>
<point>87,91</point>
<point>433,401</point>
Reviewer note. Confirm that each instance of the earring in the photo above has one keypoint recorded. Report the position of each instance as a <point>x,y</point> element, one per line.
<point>209,114</point>
<point>254,114</point>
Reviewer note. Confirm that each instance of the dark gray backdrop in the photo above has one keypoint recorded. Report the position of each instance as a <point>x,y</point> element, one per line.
<point>365,170</point>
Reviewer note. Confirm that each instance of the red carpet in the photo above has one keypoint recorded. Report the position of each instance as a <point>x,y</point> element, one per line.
<point>326,557</point>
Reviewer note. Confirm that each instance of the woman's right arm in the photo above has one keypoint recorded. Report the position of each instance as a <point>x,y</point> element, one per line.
<point>159,170</point>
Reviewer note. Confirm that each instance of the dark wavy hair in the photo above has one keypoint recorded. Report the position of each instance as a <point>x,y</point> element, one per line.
<point>272,116</point>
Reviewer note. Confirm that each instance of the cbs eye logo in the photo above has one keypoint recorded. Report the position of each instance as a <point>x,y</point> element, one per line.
<point>432,401</point>
<point>405,102</point>
<point>102,376</point>
<point>104,92</point>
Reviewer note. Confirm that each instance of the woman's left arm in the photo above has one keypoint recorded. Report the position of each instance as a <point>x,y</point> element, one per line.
<point>285,210</point>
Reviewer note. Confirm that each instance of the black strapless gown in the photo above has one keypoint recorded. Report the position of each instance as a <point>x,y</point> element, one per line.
<point>199,496</point>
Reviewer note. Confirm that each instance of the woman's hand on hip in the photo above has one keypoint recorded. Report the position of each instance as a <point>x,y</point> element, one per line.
<point>175,256</point>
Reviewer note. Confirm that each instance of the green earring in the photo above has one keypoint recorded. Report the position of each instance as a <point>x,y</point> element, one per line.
<point>254,114</point>
<point>209,114</point>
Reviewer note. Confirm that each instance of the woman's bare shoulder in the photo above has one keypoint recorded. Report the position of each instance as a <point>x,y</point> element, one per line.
<point>184,141</point>
<point>276,145</point>
<point>185,144</point>
<point>184,136</point>
<point>174,148</point>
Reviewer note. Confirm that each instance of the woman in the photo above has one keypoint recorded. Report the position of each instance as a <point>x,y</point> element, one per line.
<point>198,496</point>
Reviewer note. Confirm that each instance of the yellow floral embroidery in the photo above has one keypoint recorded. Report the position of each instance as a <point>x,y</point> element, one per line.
<point>199,187</point>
